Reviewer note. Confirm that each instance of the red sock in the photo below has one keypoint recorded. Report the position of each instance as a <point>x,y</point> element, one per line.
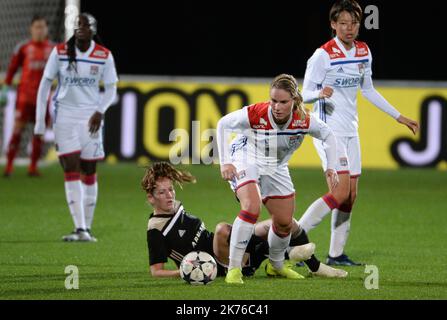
<point>35,153</point>
<point>13,147</point>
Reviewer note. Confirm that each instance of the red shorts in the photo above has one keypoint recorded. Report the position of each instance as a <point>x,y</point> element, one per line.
<point>26,112</point>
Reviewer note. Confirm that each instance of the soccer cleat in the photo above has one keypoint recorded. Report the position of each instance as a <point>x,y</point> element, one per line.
<point>78,235</point>
<point>91,236</point>
<point>302,253</point>
<point>7,173</point>
<point>234,276</point>
<point>329,272</point>
<point>8,170</point>
<point>286,271</point>
<point>341,260</point>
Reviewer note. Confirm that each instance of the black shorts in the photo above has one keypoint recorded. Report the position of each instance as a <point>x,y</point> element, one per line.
<point>206,244</point>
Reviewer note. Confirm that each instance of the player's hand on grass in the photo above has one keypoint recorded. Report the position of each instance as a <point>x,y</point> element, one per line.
<point>95,122</point>
<point>332,175</point>
<point>228,171</point>
<point>326,92</point>
<point>411,124</point>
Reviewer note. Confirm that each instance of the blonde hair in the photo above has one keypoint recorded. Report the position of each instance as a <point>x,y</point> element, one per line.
<point>164,170</point>
<point>288,83</point>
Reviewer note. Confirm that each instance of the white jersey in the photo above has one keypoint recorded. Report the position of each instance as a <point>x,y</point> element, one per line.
<point>344,71</point>
<point>260,141</point>
<point>77,95</point>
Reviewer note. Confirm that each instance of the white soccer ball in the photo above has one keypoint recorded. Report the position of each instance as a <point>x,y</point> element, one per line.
<point>198,267</point>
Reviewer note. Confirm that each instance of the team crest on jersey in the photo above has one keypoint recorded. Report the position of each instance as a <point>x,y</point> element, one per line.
<point>294,141</point>
<point>94,70</point>
<point>344,162</point>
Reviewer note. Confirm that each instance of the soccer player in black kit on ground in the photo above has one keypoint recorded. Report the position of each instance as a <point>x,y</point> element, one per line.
<point>173,233</point>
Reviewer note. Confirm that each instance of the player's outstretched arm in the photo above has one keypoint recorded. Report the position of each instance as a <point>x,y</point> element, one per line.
<point>373,96</point>
<point>158,271</point>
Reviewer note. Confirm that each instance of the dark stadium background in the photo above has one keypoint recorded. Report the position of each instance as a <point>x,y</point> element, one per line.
<point>263,38</point>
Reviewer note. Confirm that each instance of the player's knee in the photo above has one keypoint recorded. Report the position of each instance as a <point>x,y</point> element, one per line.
<point>70,163</point>
<point>341,195</point>
<point>88,167</point>
<point>252,206</point>
<point>283,226</point>
<point>222,230</point>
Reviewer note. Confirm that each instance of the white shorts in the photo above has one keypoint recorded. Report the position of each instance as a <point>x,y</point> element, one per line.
<point>272,186</point>
<point>348,155</point>
<point>74,137</point>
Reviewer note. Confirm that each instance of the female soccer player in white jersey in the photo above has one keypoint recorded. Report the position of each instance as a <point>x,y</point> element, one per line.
<point>333,76</point>
<point>79,65</point>
<point>255,163</point>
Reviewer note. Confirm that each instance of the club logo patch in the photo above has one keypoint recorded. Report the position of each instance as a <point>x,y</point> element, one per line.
<point>294,141</point>
<point>344,162</point>
<point>94,70</point>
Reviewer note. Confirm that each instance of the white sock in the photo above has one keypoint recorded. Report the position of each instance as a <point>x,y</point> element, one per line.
<point>315,213</point>
<point>73,192</point>
<point>341,223</point>
<point>90,197</point>
<point>241,233</point>
<point>277,248</point>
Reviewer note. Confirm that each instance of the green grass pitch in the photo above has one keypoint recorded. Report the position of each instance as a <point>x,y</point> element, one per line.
<point>399,225</point>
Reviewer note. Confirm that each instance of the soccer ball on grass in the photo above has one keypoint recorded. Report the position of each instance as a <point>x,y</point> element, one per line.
<point>198,268</point>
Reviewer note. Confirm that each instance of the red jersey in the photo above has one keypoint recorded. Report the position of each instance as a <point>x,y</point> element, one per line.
<point>31,56</point>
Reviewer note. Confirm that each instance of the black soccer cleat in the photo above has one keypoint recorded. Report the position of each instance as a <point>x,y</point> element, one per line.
<point>342,260</point>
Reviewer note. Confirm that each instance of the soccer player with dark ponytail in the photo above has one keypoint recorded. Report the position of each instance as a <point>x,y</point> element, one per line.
<point>79,65</point>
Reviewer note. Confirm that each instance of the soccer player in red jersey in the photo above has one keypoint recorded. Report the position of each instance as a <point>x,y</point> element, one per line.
<point>31,56</point>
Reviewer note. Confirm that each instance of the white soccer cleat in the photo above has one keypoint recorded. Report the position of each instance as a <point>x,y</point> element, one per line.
<point>78,235</point>
<point>329,272</point>
<point>302,253</point>
<point>91,236</point>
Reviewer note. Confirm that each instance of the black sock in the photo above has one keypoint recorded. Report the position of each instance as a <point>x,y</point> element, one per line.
<point>313,263</point>
<point>299,240</point>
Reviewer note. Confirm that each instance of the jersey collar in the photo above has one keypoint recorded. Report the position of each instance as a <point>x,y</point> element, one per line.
<point>177,206</point>
<point>273,123</point>
<point>347,53</point>
<point>87,53</point>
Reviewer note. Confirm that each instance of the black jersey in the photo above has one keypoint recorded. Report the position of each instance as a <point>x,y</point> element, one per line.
<point>176,235</point>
